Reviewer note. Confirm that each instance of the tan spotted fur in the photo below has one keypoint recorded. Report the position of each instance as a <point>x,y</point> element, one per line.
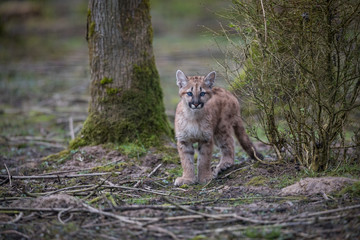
<point>207,115</point>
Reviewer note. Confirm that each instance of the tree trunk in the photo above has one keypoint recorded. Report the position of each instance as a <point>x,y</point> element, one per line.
<point>126,98</point>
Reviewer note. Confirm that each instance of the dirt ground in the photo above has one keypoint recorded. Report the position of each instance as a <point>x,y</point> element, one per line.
<point>100,193</point>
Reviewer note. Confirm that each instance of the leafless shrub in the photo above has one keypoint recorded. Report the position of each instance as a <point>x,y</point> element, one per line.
<point>296,65</point>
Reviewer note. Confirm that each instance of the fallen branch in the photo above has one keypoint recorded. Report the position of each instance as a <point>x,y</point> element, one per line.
<point>13,198</point>
<point>238,169</point>
<point>191,211</point>
<point>95,187</point>
<point>3,182</point>
<point>65,189</point>
<point>60,213</point>
<point>17,218</point>
<point>80,170</point>
<point>328,211</point>
<point>6,232</point>
<point>61,176</point>
<point>88,209</point>
<point>118,217</point>
<point>129,221</point>
<point>149,175</point>
<point>9,175</point>
<point>244,199</point>
<point>163,207</point>
<point>242,227</point>
<point>143,190</point>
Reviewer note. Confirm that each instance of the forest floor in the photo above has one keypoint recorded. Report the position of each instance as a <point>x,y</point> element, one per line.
<point>126,191</point>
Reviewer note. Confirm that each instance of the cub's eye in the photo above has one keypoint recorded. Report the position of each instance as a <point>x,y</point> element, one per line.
<point>202,94</point>
<point>189,94</point>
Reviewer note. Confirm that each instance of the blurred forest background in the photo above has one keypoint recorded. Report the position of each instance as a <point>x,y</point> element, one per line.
<point>44,72</point>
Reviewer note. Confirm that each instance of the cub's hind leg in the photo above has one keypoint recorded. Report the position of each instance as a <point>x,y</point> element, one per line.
<point>204,161</point>
<point>186,152</point>
<point>225,142</point>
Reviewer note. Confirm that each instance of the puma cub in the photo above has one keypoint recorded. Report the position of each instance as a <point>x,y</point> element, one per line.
<point>207,115</point>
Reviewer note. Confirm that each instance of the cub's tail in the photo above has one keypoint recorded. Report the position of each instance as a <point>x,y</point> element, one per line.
<point>245,141</point>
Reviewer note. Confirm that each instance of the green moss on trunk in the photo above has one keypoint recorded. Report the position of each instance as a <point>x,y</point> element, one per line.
<point>106,80</point>
<point>134,115</point>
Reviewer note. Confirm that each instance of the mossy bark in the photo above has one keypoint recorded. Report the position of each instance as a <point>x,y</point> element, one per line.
<point>126,97</point>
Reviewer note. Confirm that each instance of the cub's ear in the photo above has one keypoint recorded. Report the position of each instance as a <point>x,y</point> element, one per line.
<point>181,79</point>
<point>210,79</point>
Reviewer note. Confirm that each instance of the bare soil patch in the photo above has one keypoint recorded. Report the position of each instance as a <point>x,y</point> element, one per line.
<point>90,157</point>
<point>52,201</point>
<point>313,186</point>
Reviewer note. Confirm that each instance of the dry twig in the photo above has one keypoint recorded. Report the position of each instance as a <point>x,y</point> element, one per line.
<point>9,175</point>
<point>233,171</point>
<point>129,221</point>
<point>6,232</point>
<point>149,175</point>
<point>192,211</point>
<point>17,218</point>
<point>60,176</point>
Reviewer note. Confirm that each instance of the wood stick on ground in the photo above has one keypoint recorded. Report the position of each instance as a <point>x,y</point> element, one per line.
<point>9,175</point>
<point>242,227</point>
<point>108,214</point>
<point>96,187</point>
<point>13,198</point>
<point>67,188</point>
<point>93,225</point>
<point>17,218</point>
<point>329,211</point>
<point>87,208</point>
<point>306,215</point>
<point>233,171</point>
<point>143,190</point>
<point>129,221</point>
<point>60,176</point>
<point>162,207</point>
<point>255,221</point>
<point>79,170</point>
<point>73,210</point>
<point>60,213</point>
<point>6,232</point>
<point>3,182</point>
<point>207,184</point>
<point>192,211</point>
<point>32,209</point>
<point>149,175</point>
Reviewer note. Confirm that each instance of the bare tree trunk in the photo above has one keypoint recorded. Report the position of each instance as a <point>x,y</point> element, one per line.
<point>126,97</point>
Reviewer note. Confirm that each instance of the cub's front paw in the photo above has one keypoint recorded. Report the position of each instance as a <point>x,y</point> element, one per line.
<point>205,179</point>
<point>181,181</point>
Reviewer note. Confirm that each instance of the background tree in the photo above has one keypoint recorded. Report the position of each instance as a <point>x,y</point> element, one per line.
<point>126,97</point>
<point>298,64</point>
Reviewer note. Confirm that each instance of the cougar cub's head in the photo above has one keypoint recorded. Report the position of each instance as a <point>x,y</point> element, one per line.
<point>195,90</point>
